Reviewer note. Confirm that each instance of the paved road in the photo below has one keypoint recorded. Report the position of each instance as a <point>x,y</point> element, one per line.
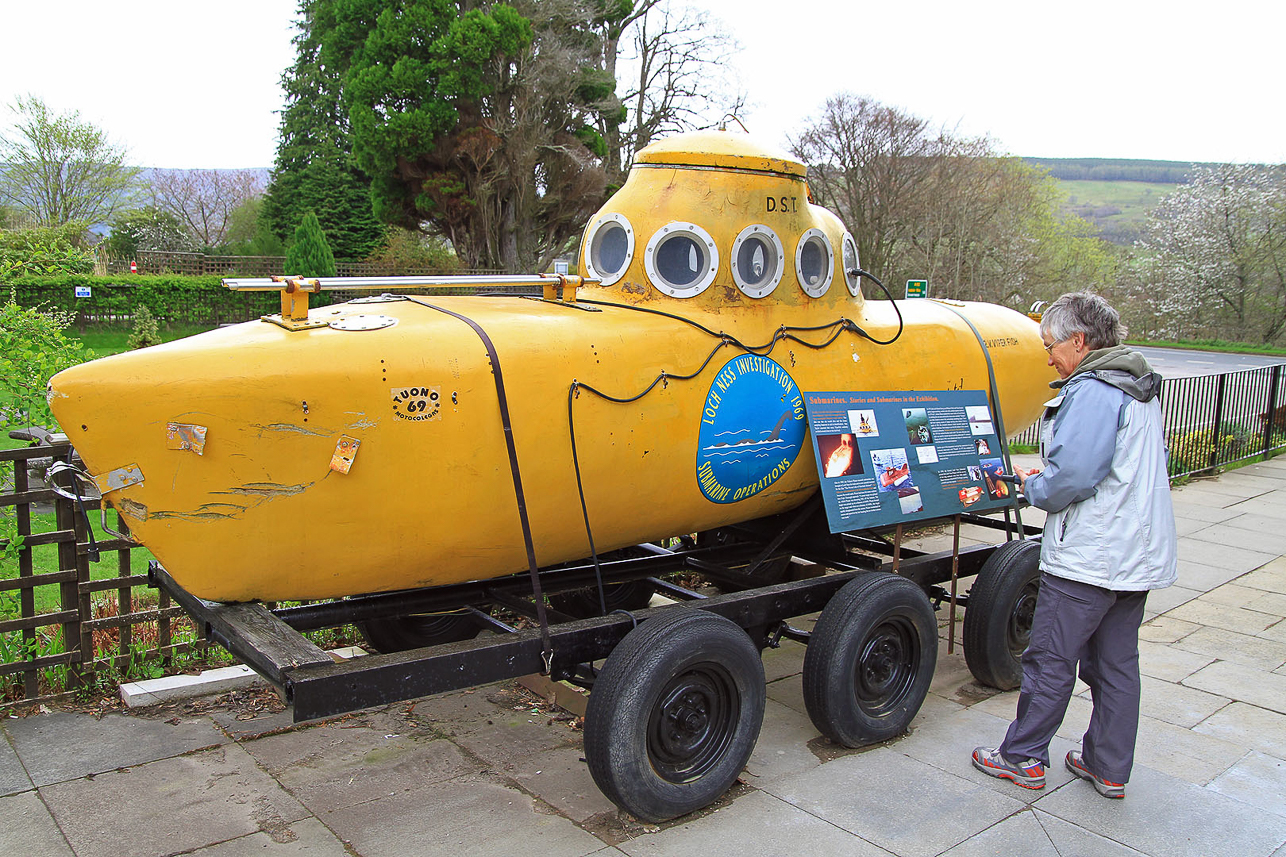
<point>1182,363</point>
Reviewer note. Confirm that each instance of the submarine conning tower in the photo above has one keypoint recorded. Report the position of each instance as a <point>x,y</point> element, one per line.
<point>717,220</point>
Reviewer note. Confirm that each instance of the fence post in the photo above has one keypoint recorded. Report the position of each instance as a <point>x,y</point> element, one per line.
<point>1272,407</point>
<point>1214,434</point>
<point>69,560</point>
<point>26,595</point>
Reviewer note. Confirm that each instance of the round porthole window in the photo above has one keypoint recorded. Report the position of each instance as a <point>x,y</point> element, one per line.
<point>758,261</point>
<point>681,259</point>
<point>814,262</point>
<point>611,249</point>
<point>851,263</point>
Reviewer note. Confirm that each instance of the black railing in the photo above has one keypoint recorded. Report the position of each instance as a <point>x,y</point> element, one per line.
<point>1212,421</point>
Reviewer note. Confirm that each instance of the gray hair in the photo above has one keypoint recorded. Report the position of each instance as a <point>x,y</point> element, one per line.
<point>1083,312</point>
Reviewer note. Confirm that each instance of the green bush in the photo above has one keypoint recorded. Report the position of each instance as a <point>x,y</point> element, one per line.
<point>1191,452</point>
<point>146,332</point>
<point>310,255</point>
<point>32,349</point>
<point>407,252</point>
<point>171,298</point>
<point>44,250</point>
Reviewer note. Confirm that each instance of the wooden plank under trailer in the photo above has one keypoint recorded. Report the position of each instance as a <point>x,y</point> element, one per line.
<point>676,706</point>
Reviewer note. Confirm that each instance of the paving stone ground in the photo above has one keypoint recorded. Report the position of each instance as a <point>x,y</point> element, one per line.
<point>497,771</point>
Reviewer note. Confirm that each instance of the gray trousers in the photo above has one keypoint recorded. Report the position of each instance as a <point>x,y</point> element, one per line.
<point>1100,629</point>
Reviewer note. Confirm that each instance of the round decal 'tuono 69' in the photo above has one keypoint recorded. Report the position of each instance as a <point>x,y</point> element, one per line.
<point>752,429</point>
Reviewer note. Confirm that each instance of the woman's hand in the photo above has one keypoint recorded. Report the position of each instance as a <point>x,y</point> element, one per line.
<point>1023,473</point>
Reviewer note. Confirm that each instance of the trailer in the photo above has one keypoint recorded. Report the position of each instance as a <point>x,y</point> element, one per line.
<point>677,692</point>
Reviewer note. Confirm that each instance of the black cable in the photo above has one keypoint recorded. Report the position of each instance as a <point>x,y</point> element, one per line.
<point>860,273</point>
<point>782,333</point>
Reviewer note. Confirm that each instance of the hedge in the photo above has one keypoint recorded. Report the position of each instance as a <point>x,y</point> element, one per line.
<point>170,298</point>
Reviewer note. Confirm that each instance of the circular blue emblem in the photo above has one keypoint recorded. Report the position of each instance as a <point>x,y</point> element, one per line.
<point>752,429</point>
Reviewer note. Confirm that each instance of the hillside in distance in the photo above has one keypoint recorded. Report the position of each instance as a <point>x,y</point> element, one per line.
<point>1114,194</point>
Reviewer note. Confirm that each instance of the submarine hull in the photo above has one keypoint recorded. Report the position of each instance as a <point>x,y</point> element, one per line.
<point>370,454</point>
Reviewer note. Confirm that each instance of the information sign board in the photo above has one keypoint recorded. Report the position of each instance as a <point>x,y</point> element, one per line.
<point>895,457</point>
<point>917,289</point>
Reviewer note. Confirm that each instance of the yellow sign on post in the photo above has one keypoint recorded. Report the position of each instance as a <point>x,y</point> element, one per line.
<point>917,289</point>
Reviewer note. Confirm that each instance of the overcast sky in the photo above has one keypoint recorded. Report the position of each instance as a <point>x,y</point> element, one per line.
<point>196,84</point>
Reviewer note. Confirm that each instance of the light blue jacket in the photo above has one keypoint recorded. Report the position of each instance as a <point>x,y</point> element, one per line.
<point>1104,484</point>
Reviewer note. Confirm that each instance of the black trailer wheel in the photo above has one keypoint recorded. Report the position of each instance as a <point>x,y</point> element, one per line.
<point>582,603</point>
<point>675,714</point>
<point>399,633</point>
<point>997,622</point>
<point>868,665</point>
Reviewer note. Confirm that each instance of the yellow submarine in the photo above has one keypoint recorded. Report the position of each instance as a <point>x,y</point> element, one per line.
<point>402,441</point>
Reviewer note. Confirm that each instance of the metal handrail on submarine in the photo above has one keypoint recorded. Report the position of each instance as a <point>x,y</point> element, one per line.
<point>295,290</point>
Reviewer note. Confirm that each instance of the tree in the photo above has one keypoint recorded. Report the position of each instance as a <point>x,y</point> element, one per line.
<point>249,233</point>
<point>147,228</point>
<point>61,169</point>
<point>203,200</point>
<point>673,70</point>
<point>1216,250</point>
<point>314,169</point>
<point>310,255</point>
<point>928,204</point>
<point>475,123</point>
<point>33,348</point>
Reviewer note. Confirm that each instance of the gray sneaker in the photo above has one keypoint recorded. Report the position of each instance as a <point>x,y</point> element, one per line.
<point>1030,774</point>
<point>1107,788</point>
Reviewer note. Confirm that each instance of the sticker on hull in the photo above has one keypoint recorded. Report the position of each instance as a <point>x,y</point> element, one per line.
<point>752,429</point>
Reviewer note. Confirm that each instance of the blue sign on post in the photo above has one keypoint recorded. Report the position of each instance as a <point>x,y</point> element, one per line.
<point>898,456</point>
<point>84,291</point>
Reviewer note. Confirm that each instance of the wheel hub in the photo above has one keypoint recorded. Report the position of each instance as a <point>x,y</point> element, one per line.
<point>885,667</point>
<point>692,723</point>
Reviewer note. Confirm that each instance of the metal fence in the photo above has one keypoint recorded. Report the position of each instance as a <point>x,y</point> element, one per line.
<point>64,621</point>
<point>1212,421</point>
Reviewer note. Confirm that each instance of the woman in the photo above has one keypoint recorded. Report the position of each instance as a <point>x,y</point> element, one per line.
<point>1109,538</point>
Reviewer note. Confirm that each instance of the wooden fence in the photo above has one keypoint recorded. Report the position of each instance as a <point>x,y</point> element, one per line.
<point>200,264</point>
<point>69,623</point>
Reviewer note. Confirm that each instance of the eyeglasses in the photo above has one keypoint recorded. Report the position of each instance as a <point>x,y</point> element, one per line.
<point>1049,349</point>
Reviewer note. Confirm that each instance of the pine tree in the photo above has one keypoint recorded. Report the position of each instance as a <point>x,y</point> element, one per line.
<point>310,255</point>
<point>314,166</point>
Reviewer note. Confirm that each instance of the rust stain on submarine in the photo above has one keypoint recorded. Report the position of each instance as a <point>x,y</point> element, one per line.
<point>681,361</point>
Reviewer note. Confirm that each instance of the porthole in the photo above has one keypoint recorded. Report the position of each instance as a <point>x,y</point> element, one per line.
<point>611,249</point>
<point>814,263</point>
<point>681,259</point>
<point>758,261</point>
<point>851,263</point>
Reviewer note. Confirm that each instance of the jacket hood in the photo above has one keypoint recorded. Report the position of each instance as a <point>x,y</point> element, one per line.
<point>1120,366</point>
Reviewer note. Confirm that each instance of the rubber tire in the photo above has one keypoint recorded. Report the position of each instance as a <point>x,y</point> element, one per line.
<point>870,660</point>
<point>400,633</point>
<point>639,691</point>
<point>997,622</point>
<point>583,603</point>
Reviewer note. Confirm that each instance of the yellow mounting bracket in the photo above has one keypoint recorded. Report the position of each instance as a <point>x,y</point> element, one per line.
<point>294,303</point>
<point>568,284</point>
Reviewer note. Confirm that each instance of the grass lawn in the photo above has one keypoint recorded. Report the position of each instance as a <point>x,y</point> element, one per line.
<point>107,342</point>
